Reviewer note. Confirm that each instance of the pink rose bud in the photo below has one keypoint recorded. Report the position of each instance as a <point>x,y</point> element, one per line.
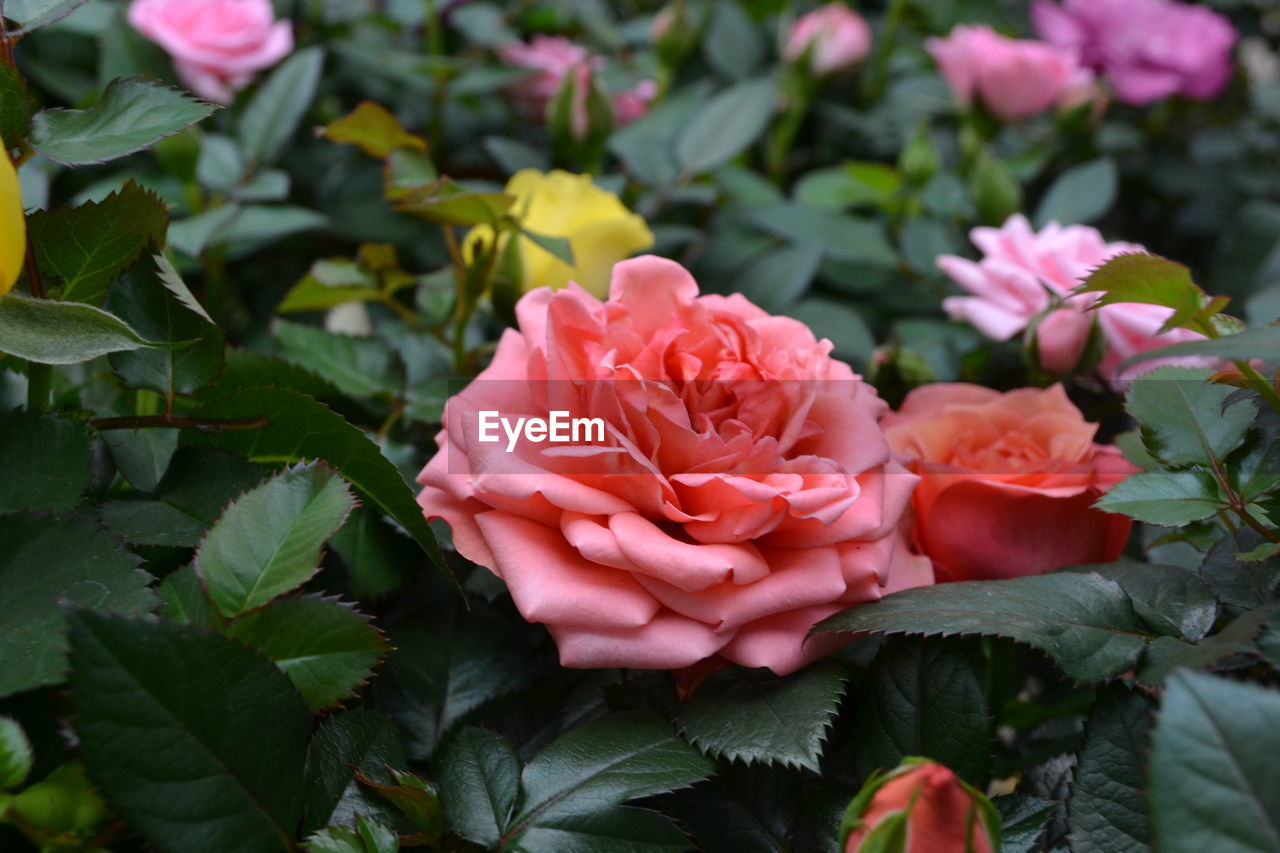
<point>549,60</point>
<point>580,113</point>
<point>1022,270</point>
<point>633,103</point>
<point>1148,49</point>
<point>1060,339</point>
<point>834,38</point>
<point>217,45</point>
<point>673,34</point>
<point>1013,78</point>
<point>939,813</point>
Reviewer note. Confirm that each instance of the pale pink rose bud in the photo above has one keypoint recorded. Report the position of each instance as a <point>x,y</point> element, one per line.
<point>835,38</point>
<point>217,45</point>
<point>1014,78</point>
<point>549,59</point>
<point>631,104</point>
<point>1061,338</point>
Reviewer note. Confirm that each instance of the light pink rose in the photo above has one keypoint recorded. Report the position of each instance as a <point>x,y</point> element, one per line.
<point>743,490</point>
<point>217,45</point>
<point>1021,274</point>
<point>631,104</point>
<point>836,37</point>
<point>1014,78</point>
<point>550,59</point>
<point>1148,49</point>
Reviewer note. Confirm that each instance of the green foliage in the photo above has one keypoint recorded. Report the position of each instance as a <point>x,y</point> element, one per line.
<point>15,754</point>
<point>349,743</point>
<point>1081,194</point>
<point>45,459</point>
<point>1106,809</point>
<point>270,119</point>
<point>727,125</point>
<point>63,332</point>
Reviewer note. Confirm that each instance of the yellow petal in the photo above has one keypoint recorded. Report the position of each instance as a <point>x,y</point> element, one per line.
<point>13,227</point>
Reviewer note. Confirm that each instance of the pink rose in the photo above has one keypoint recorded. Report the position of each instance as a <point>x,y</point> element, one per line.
<point>1021,275</point>
<point>217,45</point>
<point>1014,78</point>
<point>1008,481</point>
<point>631,104</point>
<point>835,37</point>
<point>1148,49</point>
<point>551,58</point>
<point>742,490</point>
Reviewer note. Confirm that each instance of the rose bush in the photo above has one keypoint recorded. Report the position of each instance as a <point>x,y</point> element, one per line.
<point>1008,481</point>
<point>743,493</point>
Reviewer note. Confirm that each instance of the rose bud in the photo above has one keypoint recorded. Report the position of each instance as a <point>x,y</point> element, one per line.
<point>217,45</point>
<point>920,807</point>
<point>674,34</point>
<point>13,226</point>
<point>580,115</point>
<point>828,40</point>
<point>549,60</point>
<point>1008,481</point>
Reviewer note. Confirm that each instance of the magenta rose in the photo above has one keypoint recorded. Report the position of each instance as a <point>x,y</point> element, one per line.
<point>1014,78</point>
<point>739,490</point>
<point>217,45</point>
<point>1148,49</point>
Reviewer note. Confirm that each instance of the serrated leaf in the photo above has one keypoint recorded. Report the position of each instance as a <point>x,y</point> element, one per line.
<point>753,809</point>
<point>755,716</point>
<point>301,428</point>
<point>45,460</point>
<point>1084,622</point>
<point>185,599</point>
<point>415,797</point>
<point>89,245</point>
<point>356,739</point>
<point>1165,654</point>
<point>1170,600</point>
<point>1023,819</point>
<point>16,757</point>
<point>1212,778</point>
<point>1182,416</point>
<point>270,539</point>
<point>1167,498</point>
<point>131,115</point>
<point>480,784</point>
<point>361,367</point>
<point>923,698</point>
<point>271,117</point>
<point>597,766</point>
<point>46,562</point>
<point>620,829</point>
<point>31,15</point>
<point>334,839</point>
<point>1106,811</point>
<point>1152,280</point>
<point>49,332</point>
<point>144,692</point>
<point>327,648</point>
<point>374,129</point>
<point>1238,583</point>
<point>63,803</point>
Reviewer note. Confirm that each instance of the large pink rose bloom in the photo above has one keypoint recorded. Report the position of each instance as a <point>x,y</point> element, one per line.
<point>835,37</point>
<point>1014,78</point>
<point>549,60</point>
<point>743,490</point>
<point>217,45</point>
<point>1148,49</point>
<point>1022,272</point>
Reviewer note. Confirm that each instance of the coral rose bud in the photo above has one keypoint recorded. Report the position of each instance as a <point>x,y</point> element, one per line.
<point>833,38</point>
<point>217,45</point>
<point>1008,481</point>
<point>921,807</point>
<point>13,225</point>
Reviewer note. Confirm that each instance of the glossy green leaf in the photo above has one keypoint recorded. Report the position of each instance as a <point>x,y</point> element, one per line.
<point>131,115</point>
<point>45,460</point>
<point>1023,819</point>
<point>1166,654</point>
<point>197,741</point>
<point>1107,812</point>
<point>355,740</point>
<point>379,559</point>
<point>415,797</point>
<point>361,367</point>
<point>1169,599</point>
<point>270,539</point>
<point>271,117</point>
<point>141,455</point>
<point>49,332</point>
<point>185,599</point>
<point>16,756</point>
<point>1241,583</point>
<point>1083,621</point>
<point>1183,418</point>
<point>1168,498</point>
<point>47,563</point>
<point>480,784</point>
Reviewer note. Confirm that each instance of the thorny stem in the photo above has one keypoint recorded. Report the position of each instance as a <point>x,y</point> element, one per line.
<point>177,422</point>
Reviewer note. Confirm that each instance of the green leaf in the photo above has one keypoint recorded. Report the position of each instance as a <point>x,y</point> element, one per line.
<point>726,125</point>
<point>994,189</point>
<point>754,716</point>
<point>479,784</point>
<point>62,803</point>
<point>300,428</point>
<point>781,276</point>
<point>141,455</point>
<point>45,460</point>
<point>1106,811</point>
<point>1024,819</point>
<point>131,115</point>
<point>15,104</point>
<point>48,332</point>
<point>841,237</point>
<point>31,15</point>
<point>610,830</point>
<point>861,184</point>
<point>1243,346</point>
<point>415,797</point>
<point>330,283</point>
<point>445,202</point>
<point>558,246</point>
<point>1080,195</point>
<point>732,46</point>
<point>379,559</point>
<point>1212,777</point>
<point>1168,498</point>
<point>334,839</point>
<point>46,562</point>
<point>923,698</point>
<point>270,540</point>
<point>270,119</point>
<point>374,129</point>
<point>754,810</point>
<point>1182,416</point>
<point>1084,622</point>
<point>185,599</point>
<point>1153,280</point>
<point>598,765</point>
<point>153,299</point>
<point>1165,654</point>
<point>840,324</point>
<point>1171,600</point>
<point>327,648</point>
<point>360,367</point>
<point>194,234</point>
<point>16,757</point>
<point>353,740</point>
<point>1240,583</point>
<point>89,245</point>
<point>197,741</point>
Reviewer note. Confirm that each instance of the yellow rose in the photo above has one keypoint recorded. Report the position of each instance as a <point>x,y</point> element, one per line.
<point>13,227</point>
<point>599,228</point>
